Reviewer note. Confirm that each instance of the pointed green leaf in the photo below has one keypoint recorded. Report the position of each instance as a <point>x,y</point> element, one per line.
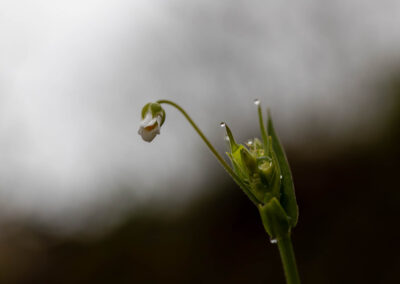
<point>264,134</point>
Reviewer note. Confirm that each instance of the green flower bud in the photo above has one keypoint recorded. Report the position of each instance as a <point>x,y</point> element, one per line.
<point>266,168</point>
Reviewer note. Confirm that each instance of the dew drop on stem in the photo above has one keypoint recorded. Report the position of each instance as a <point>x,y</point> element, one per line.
<point>222,124</point>
<point>256,102</point>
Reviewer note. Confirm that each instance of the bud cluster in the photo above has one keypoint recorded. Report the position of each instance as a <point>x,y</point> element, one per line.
<point>257,168</point>
<point>263,171</point>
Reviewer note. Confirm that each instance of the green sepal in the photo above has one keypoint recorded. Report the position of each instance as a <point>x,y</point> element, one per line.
<point>237,165</point>
<point>155,109</point>
<point>274,218</point>
<point>249,162</point>
<point>276,181</point>
<point>287,197</point>
<point>232,142</point>
<point>264,133</point>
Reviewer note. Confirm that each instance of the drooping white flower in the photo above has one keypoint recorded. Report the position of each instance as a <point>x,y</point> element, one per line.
<point>149,127</point>
<point>153,117</point>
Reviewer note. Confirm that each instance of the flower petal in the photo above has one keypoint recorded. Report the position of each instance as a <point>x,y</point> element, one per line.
<point>149,127</point>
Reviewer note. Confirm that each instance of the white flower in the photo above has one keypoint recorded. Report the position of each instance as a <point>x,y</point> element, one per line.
<point>150,127</point>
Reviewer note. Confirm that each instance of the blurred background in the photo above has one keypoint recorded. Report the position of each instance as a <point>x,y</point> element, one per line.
<point>84,200</point>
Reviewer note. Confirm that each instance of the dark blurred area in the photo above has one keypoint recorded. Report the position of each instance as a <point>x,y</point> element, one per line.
<point>348,196</point>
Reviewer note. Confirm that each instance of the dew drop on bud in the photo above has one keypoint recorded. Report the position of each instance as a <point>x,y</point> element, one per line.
<point>222,124</point>
<point>273,241</point>
<point>256,102</point>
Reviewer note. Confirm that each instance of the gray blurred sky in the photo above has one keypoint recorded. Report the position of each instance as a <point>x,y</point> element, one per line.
<point>75,74</point>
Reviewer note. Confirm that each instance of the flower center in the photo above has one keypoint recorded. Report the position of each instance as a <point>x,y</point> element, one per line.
<point>151,127</point>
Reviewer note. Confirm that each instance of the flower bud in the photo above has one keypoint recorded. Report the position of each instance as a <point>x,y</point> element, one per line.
<point>266,168</point>
<point>153,116</point>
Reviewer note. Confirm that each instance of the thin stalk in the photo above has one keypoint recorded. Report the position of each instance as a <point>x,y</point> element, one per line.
<point>288,259</point>
<point>211,147</point>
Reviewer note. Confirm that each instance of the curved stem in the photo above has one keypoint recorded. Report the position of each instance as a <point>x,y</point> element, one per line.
<point>211,147</point>
<point>288,259</point>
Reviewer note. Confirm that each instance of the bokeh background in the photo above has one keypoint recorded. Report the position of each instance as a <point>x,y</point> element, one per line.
<point>84,200</point>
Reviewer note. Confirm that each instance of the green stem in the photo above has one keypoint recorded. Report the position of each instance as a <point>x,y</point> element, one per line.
<point>211,147</point>
<point>288,259</point>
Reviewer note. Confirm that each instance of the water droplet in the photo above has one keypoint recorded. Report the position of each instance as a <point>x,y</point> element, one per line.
<point>281,177</point>
<point>226,138</point>
<point>222,124</point>
<point>273,241</point>
<point>249,142</point>
<point>256,102</point>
